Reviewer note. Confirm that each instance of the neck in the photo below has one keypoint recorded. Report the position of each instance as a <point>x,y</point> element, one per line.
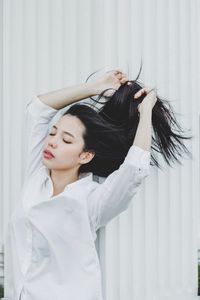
<point>61,178</point>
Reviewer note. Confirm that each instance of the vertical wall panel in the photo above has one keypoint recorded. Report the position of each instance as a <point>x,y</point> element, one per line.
<point>149,252</point>
<point>5,193</point>
<point>1,108</point>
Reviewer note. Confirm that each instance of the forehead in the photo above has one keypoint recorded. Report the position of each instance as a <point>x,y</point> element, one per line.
<point>71,124</point>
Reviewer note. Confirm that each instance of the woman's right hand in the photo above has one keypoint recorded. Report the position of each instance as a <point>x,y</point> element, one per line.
<point>149,100</point>
<point>110,80</point>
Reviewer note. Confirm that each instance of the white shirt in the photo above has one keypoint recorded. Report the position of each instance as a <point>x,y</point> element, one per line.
<point>50,251</point>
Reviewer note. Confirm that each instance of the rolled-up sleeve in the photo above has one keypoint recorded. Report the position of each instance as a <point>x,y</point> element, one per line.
<point>114,195</point>
<point>38,116</point>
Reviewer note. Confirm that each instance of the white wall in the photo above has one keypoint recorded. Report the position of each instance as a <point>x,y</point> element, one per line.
<point>149,252</point>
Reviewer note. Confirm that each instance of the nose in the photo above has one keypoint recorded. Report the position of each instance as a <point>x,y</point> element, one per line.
<point>52,142</point>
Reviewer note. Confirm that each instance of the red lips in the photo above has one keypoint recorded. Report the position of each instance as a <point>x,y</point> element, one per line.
<point>48,153</point>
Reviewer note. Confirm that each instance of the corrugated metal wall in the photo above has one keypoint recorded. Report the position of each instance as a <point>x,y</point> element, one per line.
<point>149,252</point>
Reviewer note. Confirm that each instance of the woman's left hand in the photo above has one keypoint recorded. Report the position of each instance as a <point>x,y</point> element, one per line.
<point>149,100</point>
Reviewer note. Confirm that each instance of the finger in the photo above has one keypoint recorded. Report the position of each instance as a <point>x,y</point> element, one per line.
<point>118,76</point>
<point>124,76</point>
<point>121,75</point>
<point>139,93</point>
<point>142,91</point>
<point>124,80</point>
<point>115,72</point>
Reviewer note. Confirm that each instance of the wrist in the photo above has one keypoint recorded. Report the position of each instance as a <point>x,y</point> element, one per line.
<point>145,111</point>
<point>92,88</point>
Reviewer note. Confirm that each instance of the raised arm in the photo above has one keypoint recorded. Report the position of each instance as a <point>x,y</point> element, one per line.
<point>37,118</point>
<point>114,195</point>
<point>143,134</point>
<point>63,97</point>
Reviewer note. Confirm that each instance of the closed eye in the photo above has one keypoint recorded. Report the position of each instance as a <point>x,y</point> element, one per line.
<point>63,140</point>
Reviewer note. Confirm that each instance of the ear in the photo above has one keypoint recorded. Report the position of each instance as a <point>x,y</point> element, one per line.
<point>86,157</point>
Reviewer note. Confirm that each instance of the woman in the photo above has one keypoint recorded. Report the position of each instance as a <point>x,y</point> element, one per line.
<point>50,247</point>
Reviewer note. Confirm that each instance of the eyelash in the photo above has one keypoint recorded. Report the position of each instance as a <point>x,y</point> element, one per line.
<point>63,140</point>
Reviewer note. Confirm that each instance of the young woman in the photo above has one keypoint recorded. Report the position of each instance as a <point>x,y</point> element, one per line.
<point>50,249</point>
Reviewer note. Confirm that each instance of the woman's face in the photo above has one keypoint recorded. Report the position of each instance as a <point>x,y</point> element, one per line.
<point>65,142</point>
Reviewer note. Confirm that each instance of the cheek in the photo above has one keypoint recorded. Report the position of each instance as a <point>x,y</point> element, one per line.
<point>46,142</point>
<point>70,152</point>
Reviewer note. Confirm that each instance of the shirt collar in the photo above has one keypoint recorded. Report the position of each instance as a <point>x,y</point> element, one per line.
<point>84,178</point>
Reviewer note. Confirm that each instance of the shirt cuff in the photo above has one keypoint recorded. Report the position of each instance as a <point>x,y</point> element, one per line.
<point>138,157</point>
<point>37,108</point>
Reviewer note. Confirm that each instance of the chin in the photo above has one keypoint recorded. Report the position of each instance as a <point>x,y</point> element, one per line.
<point>46,162</point>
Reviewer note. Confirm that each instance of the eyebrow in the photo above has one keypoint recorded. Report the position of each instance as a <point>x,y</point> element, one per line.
<point>65,131</point>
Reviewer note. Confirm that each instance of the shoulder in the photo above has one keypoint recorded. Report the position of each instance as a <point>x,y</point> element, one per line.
<point>95,183</point>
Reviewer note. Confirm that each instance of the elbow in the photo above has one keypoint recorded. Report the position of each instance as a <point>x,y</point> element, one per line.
<point>143,172</point>
<point>139,176</point>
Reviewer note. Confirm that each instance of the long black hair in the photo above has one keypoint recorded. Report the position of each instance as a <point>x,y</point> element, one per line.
<point>110,130</point>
